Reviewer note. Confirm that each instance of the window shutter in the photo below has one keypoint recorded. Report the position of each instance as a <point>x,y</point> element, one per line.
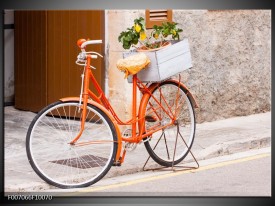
<point>156,17</point>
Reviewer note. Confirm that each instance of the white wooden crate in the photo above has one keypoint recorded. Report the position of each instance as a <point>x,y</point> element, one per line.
<point>165,62</point>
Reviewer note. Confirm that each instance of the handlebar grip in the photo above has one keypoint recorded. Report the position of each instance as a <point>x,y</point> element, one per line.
<point>82,43</point>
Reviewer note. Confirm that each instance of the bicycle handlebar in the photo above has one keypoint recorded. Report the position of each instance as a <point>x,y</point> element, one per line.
<point>82,43</point>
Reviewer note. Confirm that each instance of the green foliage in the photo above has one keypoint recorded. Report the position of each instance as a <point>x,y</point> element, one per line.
<point>131,35</point>
<point>167,29</point>
<point>137,33</point>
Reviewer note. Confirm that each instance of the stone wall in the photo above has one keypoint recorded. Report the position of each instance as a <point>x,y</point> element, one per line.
<point>231,53</point>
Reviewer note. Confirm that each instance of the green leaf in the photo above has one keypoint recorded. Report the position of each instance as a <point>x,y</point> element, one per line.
<point>135,41</point>
<point>126,46</point>
<point>128,37</point>
<point>121,36</point>
<point>125,43</point>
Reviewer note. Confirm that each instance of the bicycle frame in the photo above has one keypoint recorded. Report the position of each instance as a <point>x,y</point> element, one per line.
<point>102,102</point>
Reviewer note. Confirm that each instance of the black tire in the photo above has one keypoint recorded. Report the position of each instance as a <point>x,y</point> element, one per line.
<point>55,150</point>
<point>161,151</point>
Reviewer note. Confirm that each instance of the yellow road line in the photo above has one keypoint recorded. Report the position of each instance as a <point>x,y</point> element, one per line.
<point>146,179</point>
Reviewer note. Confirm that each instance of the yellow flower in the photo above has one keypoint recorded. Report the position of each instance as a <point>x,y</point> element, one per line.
<point>156,35</point>
<point>174,32</point>
<point>137,28</point>
<point>142,35</point>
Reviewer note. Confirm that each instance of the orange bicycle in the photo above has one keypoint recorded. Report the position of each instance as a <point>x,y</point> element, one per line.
<point>74,142</point>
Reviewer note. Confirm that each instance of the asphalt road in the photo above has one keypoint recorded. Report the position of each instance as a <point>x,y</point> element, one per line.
<point>240,174</point>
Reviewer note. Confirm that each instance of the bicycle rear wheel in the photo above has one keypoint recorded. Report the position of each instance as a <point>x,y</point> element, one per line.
<point>170,145</point>
<point>71,166</point>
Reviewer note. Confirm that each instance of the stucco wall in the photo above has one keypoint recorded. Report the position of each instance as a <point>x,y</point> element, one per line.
<point>231,53</point>
<point>120,91</point>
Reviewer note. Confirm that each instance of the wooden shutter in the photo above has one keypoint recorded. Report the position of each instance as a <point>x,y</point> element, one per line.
<point>156,17</point>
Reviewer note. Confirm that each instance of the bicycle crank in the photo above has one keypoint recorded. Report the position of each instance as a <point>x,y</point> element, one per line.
<point>128,146</point>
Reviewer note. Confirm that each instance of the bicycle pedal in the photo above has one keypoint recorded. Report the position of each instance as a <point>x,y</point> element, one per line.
<point>150,118</point>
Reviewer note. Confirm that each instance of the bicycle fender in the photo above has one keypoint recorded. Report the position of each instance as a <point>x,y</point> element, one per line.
<point>119,139</point>
<point>189,94</point>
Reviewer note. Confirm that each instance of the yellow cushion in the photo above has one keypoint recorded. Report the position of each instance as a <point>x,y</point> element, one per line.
<point>133,64</point>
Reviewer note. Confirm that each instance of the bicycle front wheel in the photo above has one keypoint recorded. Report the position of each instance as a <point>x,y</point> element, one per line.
<point>170,145</point>
<point>71,166</point>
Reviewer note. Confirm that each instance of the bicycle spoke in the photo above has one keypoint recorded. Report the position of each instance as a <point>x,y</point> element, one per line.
<point>61,119</point>
<point>64,164</point>
<point>172,98</point>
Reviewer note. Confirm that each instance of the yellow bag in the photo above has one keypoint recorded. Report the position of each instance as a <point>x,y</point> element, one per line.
<point>133,64</point>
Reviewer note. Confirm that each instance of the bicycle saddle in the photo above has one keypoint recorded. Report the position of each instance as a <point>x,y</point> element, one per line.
<point>133,64</point>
